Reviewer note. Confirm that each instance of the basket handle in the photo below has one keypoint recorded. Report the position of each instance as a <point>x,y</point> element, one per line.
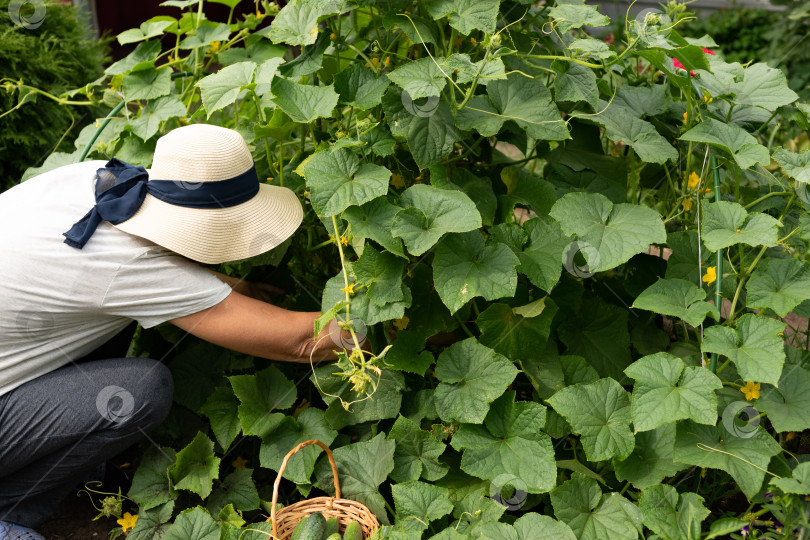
<point>290,454</point>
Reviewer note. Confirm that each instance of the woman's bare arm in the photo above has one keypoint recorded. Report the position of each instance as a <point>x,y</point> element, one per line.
<point>253,327</point>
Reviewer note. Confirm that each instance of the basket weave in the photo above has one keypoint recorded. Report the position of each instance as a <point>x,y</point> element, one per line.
<point>345,510</point>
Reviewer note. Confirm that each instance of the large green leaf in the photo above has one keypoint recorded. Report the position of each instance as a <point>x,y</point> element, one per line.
<point>155,112</point>
<point>757,85</point>
<point>471,377</point>
<point>779,284</point>
<point>338,180</point>
<point>193,523</point>
<point>260,394</point>
<point>152,524</point>
<point>755,347</point>
<point>509,447</point>
<point>206,33</point>
<point>466,15</point>
<point>221,409</point>
<point>727,223</point>
<point>742,146</point>
<point>580,504</point>
<point>622,126</point>
<point>517,333</point>
<point>428,128</point>
<point>238,490</point>
<point>796,165</point>
<point>310,424</point>
<point>196,466</point>
<point>651,460</point>
<point>420,78</point>
<point>374,220</point>
<point>362,306</point>
<point>359,87</point>
<point>405,355</point>
<point>143,57</point>
<point>524,100</point>
<point>798,484</point>
<point>788,407</point>
<point>150,484</point>
<point>463,268</point>
<point>418,504</point>
<point>677,298</point>
<point>576,83</point>
<point>147,84</point>
<point>608,235</point>
<point>362,467</point>
<point>297,22</point>
<point>533,526</point>
<point>417,453</point>
<point>569,15</point>
<point>149,29</point>
<point>599,334</point>
<point>666,392</point>
<point>384,403</point>
<point>541,259</point>
<point>431,212</point>
<point>303,102</point>
<point>600,413</point>
<point>381,274</point>
<point>744,456</point>
<point>671,515</point>
<point>221,89</point>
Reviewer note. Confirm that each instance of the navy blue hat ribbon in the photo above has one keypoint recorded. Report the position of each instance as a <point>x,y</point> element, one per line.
<point>121,189</point>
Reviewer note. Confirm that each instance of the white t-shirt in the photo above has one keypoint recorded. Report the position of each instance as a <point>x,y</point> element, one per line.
<point>59,303</point>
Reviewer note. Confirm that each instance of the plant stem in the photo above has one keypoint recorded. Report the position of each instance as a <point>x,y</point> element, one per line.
<point>346,282</point>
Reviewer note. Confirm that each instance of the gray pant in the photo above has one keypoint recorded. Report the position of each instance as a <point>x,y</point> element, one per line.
<point>58,428</point>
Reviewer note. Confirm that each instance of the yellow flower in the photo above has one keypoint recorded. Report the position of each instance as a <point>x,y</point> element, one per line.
<point>402,324</point>
<point>128,521</point>
<point>349,289</point>
<point>344,240</point>
<point>473,41</point>
<point>259,14</point>
<point>751,391</point>
<point>710,276</point>
<point>693,181</point>
<point>790,436</point>
<point>332,36</point>
<point>239,463</point>
<point>375,61</point>
<point>703,473</point>
<point>687,204</point>
<point>684,117</point>
<point>397,181</point>
<point>387,60</point>
<point>707,98</point>
<point>215,46</point>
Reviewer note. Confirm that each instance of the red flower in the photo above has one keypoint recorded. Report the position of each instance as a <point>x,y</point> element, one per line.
<point>679,65</point>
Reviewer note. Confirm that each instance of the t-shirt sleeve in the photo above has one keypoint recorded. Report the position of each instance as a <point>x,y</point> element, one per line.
<point>159,286</point>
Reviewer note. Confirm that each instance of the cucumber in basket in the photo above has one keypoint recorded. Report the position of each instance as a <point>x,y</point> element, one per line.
<point>331,528</point>
<point>353,532</point>
<point>335,536</point>
<point>310,528</point>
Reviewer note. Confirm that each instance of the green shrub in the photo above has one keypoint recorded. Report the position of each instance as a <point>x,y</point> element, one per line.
<point>739,32</point>
<point>58,56</point>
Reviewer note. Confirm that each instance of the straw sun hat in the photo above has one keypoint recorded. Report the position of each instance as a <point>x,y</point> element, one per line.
<point>192,156</point>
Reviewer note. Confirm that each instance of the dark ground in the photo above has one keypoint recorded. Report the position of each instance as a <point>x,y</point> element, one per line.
<point>73,520</point>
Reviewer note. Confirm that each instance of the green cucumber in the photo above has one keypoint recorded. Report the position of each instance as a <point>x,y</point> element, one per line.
<point>332,526</point>
<point>353,532</point>
<point>310,528</point>
<point>335,536</point>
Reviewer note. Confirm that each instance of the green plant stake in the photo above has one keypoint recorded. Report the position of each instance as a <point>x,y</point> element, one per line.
<point>718,295</point>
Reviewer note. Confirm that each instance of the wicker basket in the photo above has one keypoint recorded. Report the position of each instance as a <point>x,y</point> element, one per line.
<point>345,510</point>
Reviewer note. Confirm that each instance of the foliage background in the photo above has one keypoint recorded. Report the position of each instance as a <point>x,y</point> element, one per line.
<point>550,374</point>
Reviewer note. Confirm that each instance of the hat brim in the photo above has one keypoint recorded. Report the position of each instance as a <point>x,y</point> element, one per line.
<point>218,235</point>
